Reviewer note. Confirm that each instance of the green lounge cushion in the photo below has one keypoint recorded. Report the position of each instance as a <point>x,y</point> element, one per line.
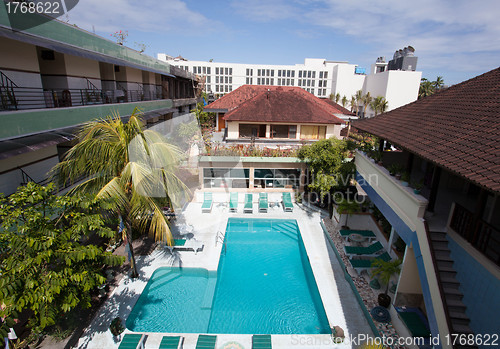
<point>206,342</point>
<point>170,342</point>
<point>261,341</point>
<point>373,248</point>
<point>365,233</point>
<point>130,341</point>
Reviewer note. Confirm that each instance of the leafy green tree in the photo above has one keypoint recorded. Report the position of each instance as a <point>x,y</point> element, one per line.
<point>47,268</point>
<point>132,168</point>
<point>326,160</point>
<point>204,118</point>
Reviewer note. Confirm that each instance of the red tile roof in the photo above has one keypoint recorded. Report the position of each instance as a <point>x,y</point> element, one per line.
<point>275,104</point>
<point>342,110</point>
<point>458,129</point>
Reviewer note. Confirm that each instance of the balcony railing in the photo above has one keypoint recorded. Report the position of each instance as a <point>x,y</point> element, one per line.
<point>480,234</point>
<point>19,98</point>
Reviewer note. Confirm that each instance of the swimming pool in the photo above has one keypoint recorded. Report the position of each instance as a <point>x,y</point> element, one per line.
<point>264,285</point>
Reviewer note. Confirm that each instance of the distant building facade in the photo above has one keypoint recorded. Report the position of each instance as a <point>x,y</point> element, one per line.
<point>317,76</point>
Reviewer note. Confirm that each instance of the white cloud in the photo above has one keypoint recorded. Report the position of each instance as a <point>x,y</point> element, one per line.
<point>438,29</point>
<point>172,16</point>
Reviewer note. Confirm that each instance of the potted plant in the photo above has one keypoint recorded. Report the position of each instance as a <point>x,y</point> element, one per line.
<point>116,328</point>
<point>405,179</point>
<point>395,170</point>
<point>417,186</point>
<point>385,270</point>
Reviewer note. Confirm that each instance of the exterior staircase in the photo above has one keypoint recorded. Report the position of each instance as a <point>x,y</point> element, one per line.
<point>458,321</point>
<point>7,94</point>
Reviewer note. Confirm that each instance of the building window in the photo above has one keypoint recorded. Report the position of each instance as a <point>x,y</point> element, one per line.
<point>208,80</point>
<point>300,73</point>
<point>249,130</point>
<point>283,131</point>
<point>314,74</point>
<point>312,132</point>
<point>320,83</point>
<point>325,75</point>
<point>226,71</point>
<point>279,72</point>
<point>216,70</point>
<point>321,75</point>
<point>209,70</point>
<point>230,71</point>
<point>226,177</point>
<point>276,178</point>
<point>216,88</point>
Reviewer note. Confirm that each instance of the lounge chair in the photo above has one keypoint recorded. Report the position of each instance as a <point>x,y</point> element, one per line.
<point>171,342</point>
<point>132,341</point>
<point>206,342</point>
<point>248,208</point>
<point>233,202</point>
<point>261,341</point>
<point>370,251</point>
<point>370,235</point>
<point>287,202</point>
<point>263,203</point>
<point>186,244</point>
<point>365,264</point>
<point>207,203</point>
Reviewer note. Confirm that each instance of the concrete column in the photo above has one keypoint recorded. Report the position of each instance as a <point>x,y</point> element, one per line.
<point>251,177</point>
<point>391,240</point>
<point>268,131</point>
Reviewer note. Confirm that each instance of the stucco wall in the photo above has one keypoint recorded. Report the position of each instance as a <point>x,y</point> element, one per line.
<point>479,286</point>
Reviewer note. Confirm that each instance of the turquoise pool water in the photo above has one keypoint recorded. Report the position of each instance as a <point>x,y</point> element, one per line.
<point>264,285</point>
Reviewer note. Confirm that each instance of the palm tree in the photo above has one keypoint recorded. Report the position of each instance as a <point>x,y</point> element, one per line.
<point>426,88</point>
<point>353,104</point>
<point>385,270</point>
<point>337,98</point>
<point>438,84</point>
<point>359,98</point>
<point>347,207</point>
<point>344,101</point>
<point>367,99</point>
<point>132,168</point>
<point>379,105</point>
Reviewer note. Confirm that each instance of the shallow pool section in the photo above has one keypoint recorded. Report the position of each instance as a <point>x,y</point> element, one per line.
<point>264,285</point>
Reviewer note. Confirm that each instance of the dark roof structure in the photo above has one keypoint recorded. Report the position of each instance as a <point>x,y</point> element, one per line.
<point>275,104</point>
<point>457,129</point>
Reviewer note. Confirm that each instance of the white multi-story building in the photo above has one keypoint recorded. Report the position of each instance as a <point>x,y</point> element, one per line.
<point>317,76</point>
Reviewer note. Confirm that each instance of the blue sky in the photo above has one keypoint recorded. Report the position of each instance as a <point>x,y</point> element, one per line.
<point>455,39</point>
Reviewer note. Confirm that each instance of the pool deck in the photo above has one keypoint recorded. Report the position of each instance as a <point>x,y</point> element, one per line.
<point>339,302</point>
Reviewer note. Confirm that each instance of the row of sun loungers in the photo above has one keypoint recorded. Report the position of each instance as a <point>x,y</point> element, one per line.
<point>136,341</point>
<point>186,245</point>
<point>362,257</point>
<point>263,203</point>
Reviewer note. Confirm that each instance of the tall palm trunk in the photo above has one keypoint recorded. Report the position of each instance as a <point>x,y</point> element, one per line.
<point>133,265</point>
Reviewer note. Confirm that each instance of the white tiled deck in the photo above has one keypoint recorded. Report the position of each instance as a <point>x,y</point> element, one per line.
<point>339,302</point>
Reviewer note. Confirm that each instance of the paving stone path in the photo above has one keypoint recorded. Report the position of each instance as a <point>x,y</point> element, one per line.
<point>365,291</point>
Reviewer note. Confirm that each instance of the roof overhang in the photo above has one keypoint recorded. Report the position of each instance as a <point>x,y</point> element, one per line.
<point>73,50</point>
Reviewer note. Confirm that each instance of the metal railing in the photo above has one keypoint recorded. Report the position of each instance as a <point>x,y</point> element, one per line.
<point>35,98</point>
<point>7,95</point>
<point>483,236</point>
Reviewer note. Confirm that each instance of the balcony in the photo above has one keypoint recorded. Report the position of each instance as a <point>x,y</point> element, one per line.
<point>410,207</point>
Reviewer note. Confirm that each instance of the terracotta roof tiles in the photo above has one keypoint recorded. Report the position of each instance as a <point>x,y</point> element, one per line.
<point>275,104</point>
<point>458,128</point>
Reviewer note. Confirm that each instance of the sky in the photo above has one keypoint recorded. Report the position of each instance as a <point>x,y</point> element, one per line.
<point>454,39</point>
